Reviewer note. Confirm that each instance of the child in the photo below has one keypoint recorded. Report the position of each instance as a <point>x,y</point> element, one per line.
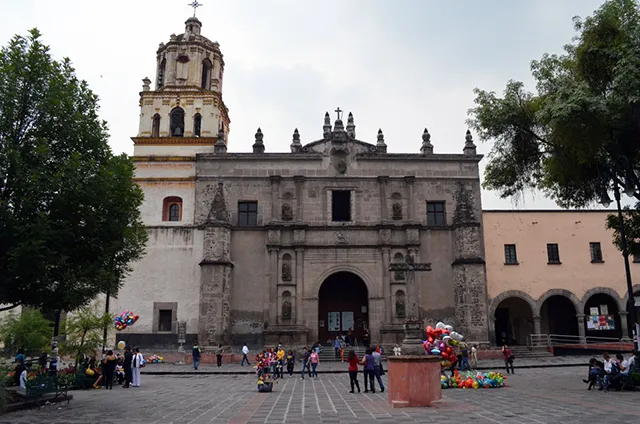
<point>397,351</point>
<point>291,361</point>
<point>595,369</point>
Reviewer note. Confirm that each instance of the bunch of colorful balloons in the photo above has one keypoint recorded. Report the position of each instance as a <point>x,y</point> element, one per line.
<point>155,359</point>
<point>124,320</point>
<point>473,381</point>
<point>442,341</point>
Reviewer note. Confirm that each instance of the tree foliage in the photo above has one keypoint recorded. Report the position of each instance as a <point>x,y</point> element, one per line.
<point>563,138</point>
<point>631,219</point>
<point>69,210</point>
<point>84,330</point>
<point>29,330</point>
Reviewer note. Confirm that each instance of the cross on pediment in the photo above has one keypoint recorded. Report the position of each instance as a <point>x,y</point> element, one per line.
<point>338,111</point>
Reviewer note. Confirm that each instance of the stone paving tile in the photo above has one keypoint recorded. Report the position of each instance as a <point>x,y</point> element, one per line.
<point>533,396</point>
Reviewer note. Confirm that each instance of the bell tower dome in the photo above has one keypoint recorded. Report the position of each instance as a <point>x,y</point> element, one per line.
<point>184,112</point>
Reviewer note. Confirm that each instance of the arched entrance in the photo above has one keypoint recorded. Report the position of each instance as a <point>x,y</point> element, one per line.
<point>602,316</point>
<point>342,305</point>
<point>558,316</point>
<point>514,321</point>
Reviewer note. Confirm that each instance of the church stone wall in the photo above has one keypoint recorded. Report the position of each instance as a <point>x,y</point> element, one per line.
<point>168,273</point>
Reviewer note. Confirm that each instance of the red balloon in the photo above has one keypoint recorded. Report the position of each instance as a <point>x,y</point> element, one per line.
<point>429,329</point>
<point>430,339</point>
<point>448,350</point>
<point>135,317</point>
<point>445,331</point>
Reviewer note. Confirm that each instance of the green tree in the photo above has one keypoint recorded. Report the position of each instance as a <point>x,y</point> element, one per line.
<point>69,209</point>
<point>564,138</point>
<point>29,330</point>
<point>631,219</point>
<point>84,329</point>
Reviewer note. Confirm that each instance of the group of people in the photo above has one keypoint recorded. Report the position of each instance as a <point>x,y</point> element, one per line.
<point>125,369</point>
<point>274,361</point>
<point>371,367</point>
<point>196,354</point>
<point>612,373</point>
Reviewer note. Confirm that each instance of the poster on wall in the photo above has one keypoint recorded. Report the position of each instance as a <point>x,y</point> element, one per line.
<point>601,322</point>
<point>347,321</point>
<point>604,310</point>
<point>334,321</point>
<point>594,311</point>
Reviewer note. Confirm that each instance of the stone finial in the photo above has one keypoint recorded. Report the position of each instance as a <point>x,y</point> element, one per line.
<point>219,212</point>
<point>351,126</point>
<point>469,147</point>
<point>427,147</point>
<point>381,147</point>
<point>296,146</point>
<point>220,146</point>
<point>258,146</point>
<point>146,84</point>
<point>326,128</point>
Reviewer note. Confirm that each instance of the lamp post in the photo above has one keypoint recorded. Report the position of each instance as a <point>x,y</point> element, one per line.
<point>605,200</point>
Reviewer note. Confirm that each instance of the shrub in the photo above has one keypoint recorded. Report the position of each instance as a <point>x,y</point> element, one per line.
<point>29,330</point>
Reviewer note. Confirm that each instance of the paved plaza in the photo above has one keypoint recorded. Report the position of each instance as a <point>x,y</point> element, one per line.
<point>555,395</point>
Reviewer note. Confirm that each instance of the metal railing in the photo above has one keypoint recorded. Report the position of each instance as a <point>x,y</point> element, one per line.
<point>548,340</point>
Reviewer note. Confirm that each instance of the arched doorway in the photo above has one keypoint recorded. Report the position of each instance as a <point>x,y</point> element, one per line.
<point>558,316</point>
<point>514,321</point>
<point>602,316</point>
<point>342,305</point>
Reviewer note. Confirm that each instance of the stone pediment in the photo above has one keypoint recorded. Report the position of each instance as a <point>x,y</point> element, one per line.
<point>349,146</point>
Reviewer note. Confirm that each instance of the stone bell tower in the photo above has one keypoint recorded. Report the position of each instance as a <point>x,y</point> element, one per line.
<point>184,113</point>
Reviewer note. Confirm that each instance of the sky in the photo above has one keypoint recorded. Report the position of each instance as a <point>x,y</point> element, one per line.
<point>398,65</point>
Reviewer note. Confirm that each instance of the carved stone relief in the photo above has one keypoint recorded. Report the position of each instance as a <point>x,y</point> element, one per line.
<point>413,236</point>
<point>385,236</point>
<point>273,237</point>
<point>397,211</point>
<point>341,237</point>
<point>287,212</point>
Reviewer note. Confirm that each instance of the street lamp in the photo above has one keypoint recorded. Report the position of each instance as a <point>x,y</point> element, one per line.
<point>622,166</point>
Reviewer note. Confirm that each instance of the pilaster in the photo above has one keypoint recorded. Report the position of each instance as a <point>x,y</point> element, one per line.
<point>410,183</point>
<point>299,181</point>
<point>299,285</point>
<point>383,182</point>
<point>581,330</point>
<point>275,191</point>
<point>385,253</point>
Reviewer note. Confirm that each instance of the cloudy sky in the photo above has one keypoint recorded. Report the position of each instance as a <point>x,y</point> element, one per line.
<point>399,65</point>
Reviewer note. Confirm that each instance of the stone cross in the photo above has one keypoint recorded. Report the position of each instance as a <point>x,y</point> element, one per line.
<point>413,331</point>
<point>338,111</point>
<point>195,5</point>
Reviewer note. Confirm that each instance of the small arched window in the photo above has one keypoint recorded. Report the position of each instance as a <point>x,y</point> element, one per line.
<point>172,209</point>
<point>177,122</point>
<point>197,124</point>
<point>206,74</point>
<point>155,126</point>
<point>161,72</point>
<point>398,275</point>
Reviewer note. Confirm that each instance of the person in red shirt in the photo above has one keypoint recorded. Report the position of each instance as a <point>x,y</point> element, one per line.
<point>508,358</point>
<point>352,359</point>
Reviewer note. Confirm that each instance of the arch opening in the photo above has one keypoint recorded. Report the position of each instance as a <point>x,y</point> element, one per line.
<point>155,126</point>
<point>602,317</point>
<point>343,305</point>
<point>206,75</point>
<point>514,321</point>
<point>177,122</point>
<point>558,316</point>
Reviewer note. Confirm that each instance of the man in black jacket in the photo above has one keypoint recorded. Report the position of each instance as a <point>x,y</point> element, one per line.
<point>128,356</point>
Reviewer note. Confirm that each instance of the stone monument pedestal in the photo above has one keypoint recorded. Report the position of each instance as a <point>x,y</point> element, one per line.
<point>413,380</point>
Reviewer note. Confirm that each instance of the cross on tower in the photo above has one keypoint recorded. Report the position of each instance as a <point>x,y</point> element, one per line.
<point>338,111</point>
<point>195,5</point>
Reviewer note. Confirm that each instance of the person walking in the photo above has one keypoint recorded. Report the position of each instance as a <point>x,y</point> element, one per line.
<point>195,353</point>
<point>109,370</point>
<point>508,358</point>
<point>291,362</point>
<point>343,345</point>
<point>245,352</point>
<point>314,359</point>
<point>219,355</point>
<point>352,360</point>
<point>464,365</point>
<point>368,365</point>
<point>366,338</point>
<point>305,362</point>
<point>127,367</point>
<point>474,357</point>
<point>377,367</point>
<point>336,346</point>
<point>136,364</point>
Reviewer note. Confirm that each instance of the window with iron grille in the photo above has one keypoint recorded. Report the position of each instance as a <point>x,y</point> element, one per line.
<point>510,256</point>
<point>596,252</point>
<point>553,253</point>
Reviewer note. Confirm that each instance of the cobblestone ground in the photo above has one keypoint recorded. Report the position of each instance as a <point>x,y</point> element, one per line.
<point>533,396</point>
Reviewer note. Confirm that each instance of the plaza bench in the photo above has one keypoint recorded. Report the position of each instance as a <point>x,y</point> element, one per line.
<point>41,386</point>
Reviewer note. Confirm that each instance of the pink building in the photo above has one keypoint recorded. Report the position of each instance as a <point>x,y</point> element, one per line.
<point>554,272</point>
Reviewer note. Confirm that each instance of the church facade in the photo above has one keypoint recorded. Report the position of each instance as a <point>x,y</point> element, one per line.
<point>295,247</point>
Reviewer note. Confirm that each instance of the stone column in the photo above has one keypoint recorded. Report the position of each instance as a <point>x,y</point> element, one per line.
<point>581,330</point>
<point>275,191</point>
<point>536,325</point>
<point>384,213</point>
<point>410,182</point>
<point>299,180</point>
<point>385,254</point>
<point>624,324</point>
<point>271,299</point>
<point>299,284</point>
